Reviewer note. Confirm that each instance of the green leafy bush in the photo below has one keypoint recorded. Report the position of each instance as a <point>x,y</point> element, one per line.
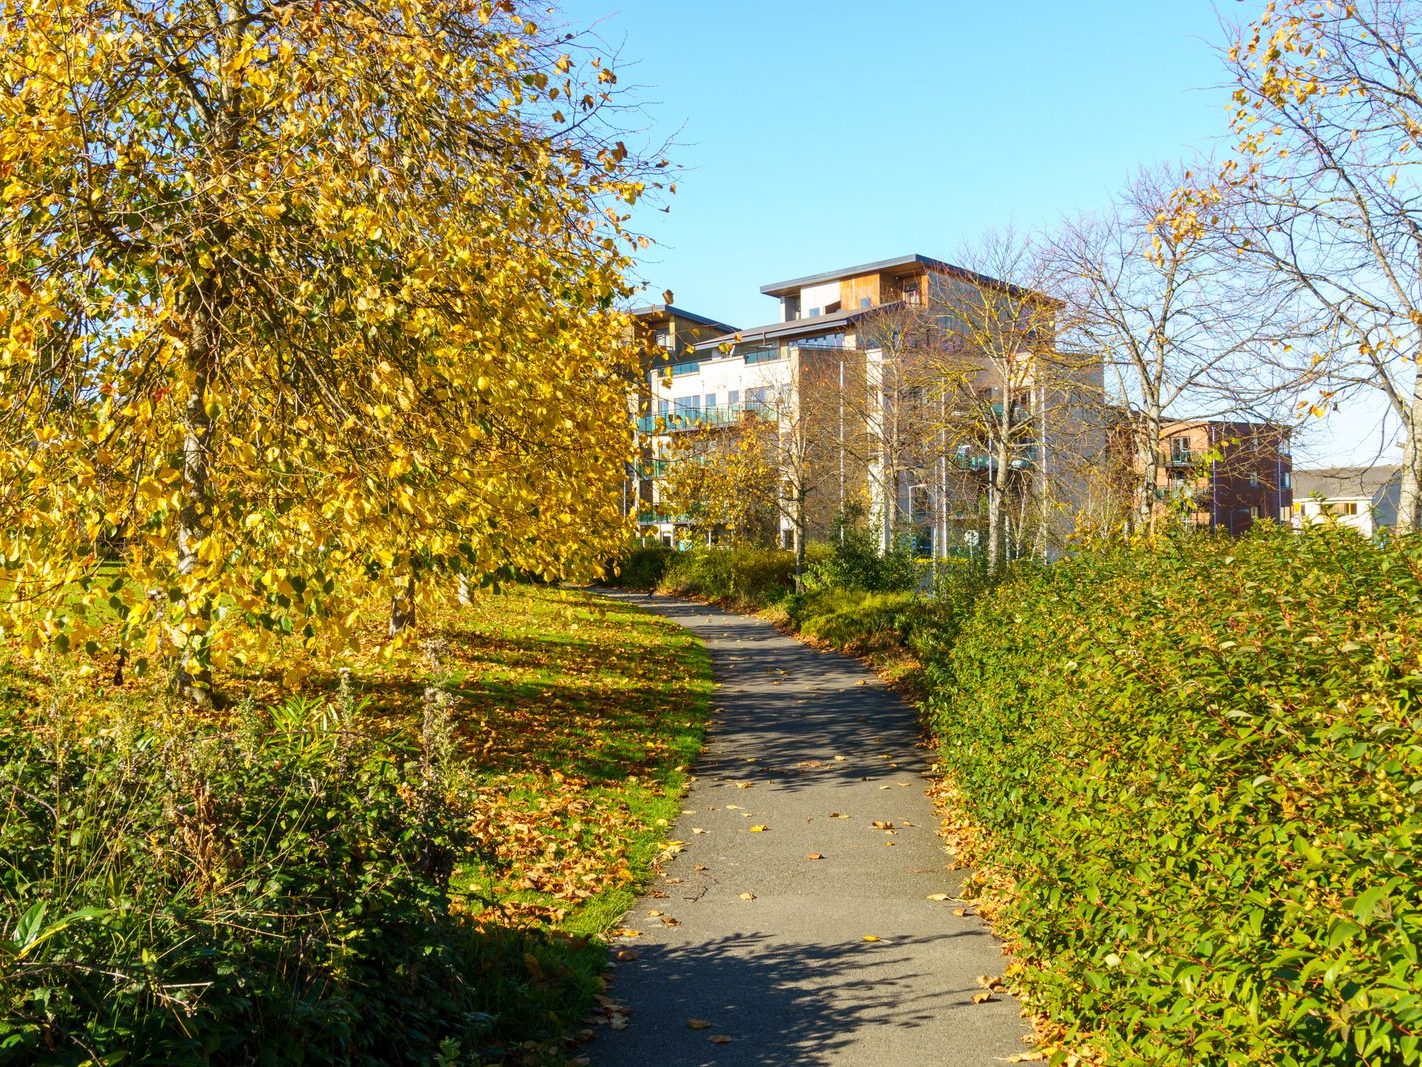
<point>642,565</point>
<point>276,890</point>
<point>748,576</point>
<point>855,562</point>
<point>1199,767</point>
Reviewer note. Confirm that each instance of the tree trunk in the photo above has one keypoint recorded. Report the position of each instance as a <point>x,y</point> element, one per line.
<point>402,605</point>
<point>997,506</point>
<point>194,681</point>
<point>466,594</point>
<point>1409,504</point>
<point>1148,463</point>
<point>799,538</point>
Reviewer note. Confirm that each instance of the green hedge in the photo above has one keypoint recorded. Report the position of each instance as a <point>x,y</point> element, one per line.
<point>753,577</point>
<point>1200,767</point>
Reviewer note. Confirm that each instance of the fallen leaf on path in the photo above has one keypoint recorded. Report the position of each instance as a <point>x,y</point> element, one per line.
<point>759,828</point>
<point>624,932</point>
<point>814,856</point>
<point>626,954</point>
<point>990,981</point>
<point>960,912</point>
<point>840,759</point>
<point>982,997</point>
<point>879,825</point>
<point>667,920</point>
<point>617,1022</point>
<point>747,896</point>
<point>654,914</point>
<point>937,896</point>
<point>702,867</point>
<point>1025,1057</point>
<point>869,937</point>
<point>698,1024</point>
<point>838,815</point>
<point>743,785</point>
<point>719,1039</point>
<point>697,830</point>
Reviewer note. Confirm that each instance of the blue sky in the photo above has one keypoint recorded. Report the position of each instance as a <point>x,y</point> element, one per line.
<point>813,136</point>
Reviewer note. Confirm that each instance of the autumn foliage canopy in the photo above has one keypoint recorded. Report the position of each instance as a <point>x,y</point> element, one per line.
<point>299,301</point>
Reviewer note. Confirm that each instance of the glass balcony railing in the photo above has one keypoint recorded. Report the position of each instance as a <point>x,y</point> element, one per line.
<point>967,459</point>
<point>700,418</point>
<point>655,518</point>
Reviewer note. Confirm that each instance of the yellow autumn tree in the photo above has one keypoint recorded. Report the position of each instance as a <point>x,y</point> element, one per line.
<point>723,480</point>
<point>300,301</point>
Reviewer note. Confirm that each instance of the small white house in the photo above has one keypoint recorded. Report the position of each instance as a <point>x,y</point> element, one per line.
<point>1365,498</point>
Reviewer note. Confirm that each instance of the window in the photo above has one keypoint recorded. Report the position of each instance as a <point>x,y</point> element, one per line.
<point>1286,480</point>
<point>733,397</point>
<point>1180,450</point>
<point>663,339</point>
<point>710,401</point>
<point>1254,479</point>
<point>664,408</point>
<point>920,503</point>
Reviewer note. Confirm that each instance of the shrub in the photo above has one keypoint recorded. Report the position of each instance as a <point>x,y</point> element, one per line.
<point>642,565</point>
<point>753,577</point>
<point>855,562</point>
<point>1198,767</point>
<point>277,891</point>
<point>858,621</point>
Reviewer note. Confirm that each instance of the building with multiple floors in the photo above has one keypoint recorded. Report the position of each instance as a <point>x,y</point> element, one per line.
<point>1363,498</point>
<point>908,387</point>
<point>1222,475</point>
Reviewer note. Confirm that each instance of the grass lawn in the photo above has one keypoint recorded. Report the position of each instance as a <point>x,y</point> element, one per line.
<point>579,718</point>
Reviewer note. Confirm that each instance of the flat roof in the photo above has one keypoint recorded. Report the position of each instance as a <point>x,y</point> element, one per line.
<point>897,262</point>
<point>813,325</point>
<point>654,310</point>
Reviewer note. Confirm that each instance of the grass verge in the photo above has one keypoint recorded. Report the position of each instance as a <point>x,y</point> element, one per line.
<point>575,720</point>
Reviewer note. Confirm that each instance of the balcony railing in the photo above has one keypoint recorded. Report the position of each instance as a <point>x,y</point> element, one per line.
<point>654,518</point>
<point>701,418</point>
<point>1023,458</point>
<point>762,355</point>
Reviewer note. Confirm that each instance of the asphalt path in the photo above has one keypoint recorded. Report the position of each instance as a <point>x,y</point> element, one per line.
<point>797,925</point>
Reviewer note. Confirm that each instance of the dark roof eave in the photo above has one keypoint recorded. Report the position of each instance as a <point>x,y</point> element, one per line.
<point>679,312</point>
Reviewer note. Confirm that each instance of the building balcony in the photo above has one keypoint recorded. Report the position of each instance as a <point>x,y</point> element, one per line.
<point>657,518</point>
<point>701,418</point>
<point>1024,457</point>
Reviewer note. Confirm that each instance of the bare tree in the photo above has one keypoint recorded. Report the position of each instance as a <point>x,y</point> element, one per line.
<point>1170,311</point>
<point>1328,105</point>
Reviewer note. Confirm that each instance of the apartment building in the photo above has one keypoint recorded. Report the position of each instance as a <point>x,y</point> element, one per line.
<point>661,333</point>
<point>876,399</point>
<point>1363,498</point>
<point>1223,475</point>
